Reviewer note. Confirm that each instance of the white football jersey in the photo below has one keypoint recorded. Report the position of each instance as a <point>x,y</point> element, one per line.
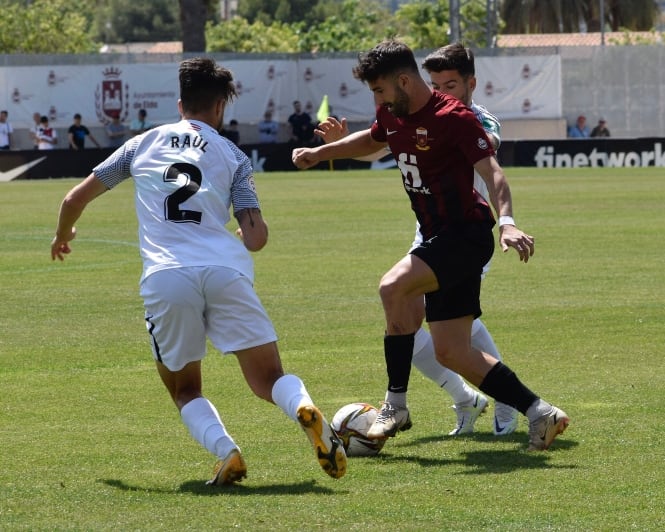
<point>186,177</point>
<point>492,126</point>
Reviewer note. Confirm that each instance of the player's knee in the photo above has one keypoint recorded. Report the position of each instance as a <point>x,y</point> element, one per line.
<point>450,353</point>
<point>390,288</point>
<point>443,356</point>
<point>446,354</point>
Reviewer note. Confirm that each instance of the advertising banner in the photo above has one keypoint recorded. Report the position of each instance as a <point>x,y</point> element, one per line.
<point>519,87</point>
<point>511,87</point>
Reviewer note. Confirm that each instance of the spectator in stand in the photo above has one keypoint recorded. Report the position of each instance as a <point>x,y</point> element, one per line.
<point>77,133</point>
<point>47,137</point>
<point>232,132</point>
<point>302,129</point>
<point>580,130</point>
<point>268,129</point>
<point>116,131</point>
<point>141,123</point>
<point>601,129</point>
<point>5,131</point>
<point>34,130</point>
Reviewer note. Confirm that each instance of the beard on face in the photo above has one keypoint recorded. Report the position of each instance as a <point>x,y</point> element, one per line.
<point>400,105</point>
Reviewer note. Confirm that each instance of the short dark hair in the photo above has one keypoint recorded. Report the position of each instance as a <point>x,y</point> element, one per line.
<point>203,82</point>
<point>43,119</point>
<point>142,112</point>
<point>77,116</point>
<point>454,56</point>
<point>386,59</point>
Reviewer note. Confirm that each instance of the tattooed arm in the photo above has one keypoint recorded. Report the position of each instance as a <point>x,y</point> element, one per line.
<point>253,228</point>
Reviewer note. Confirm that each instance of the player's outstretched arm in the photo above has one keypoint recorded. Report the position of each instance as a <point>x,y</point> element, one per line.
<point>499,191</point>
<point>332,130</point>
<point>71,208</point>
<point>355,145</point>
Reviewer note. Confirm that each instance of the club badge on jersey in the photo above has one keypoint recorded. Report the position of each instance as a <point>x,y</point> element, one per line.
<point>421,139</point>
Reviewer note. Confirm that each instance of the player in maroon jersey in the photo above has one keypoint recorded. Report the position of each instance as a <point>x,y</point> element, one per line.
<point>437,143</point>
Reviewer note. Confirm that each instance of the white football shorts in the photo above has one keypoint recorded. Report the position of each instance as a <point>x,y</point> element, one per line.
<point>183,306</point>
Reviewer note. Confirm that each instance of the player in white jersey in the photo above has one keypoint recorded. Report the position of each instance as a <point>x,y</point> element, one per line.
<point>452,71</point>
<point>197,278</point>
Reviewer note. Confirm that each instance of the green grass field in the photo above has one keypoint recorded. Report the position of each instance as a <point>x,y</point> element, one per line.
<point>90,440</point>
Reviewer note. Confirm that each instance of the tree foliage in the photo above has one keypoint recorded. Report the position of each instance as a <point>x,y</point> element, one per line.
<point>425,23</point>
<point>59,26</point>
<point>308,12</point>
<point>570,16</point>
<point>638,15</point>
<point>123,21</point>
<point>44,27</point>
<point>359,25</point>
<point>238,35</point>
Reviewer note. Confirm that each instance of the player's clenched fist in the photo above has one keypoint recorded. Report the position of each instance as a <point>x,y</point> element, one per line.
<point>304,158</point>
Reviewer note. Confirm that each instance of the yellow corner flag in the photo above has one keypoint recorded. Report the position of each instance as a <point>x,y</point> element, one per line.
<point>323,111</point>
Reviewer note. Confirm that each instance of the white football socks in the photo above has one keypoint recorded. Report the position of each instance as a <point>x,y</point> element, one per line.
<point>204,424</point>
<point>481,339</point>
<point>289,393</point>
<point>425,361</point>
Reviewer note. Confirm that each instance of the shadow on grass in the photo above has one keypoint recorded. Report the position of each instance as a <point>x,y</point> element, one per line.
<point>479,462</point>
<point>483,462</point>
<point>198,487</point>
<point>520,438</point>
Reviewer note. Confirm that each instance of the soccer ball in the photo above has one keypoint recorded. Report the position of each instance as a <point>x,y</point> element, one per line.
<point>351,423</point>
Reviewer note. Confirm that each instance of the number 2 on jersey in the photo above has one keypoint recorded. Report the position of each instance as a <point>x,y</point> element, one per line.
<point>172,210</point>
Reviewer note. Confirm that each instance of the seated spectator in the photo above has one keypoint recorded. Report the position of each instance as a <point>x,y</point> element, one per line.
<point>580,130</point>
<point>268,129</point>
<point>601,129</point>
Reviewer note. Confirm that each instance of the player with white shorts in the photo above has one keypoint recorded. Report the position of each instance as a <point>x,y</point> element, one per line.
<point>197,279</point>
<point>184,305</point>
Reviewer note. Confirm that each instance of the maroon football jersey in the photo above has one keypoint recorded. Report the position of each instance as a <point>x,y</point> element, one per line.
<point>435,149</point>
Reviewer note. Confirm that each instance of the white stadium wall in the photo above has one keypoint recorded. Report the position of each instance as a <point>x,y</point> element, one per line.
<point>534,92</point>
<point>513,87</point>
